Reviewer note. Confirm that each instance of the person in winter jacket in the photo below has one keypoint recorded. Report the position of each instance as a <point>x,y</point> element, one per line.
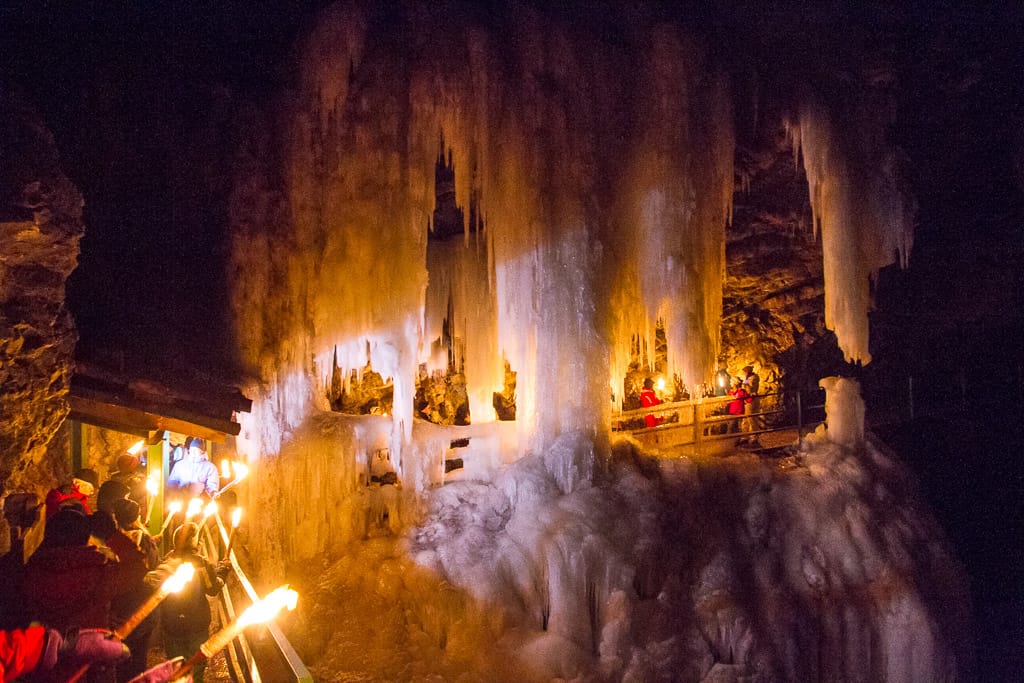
<point>74,494</point>
<point>736,406</point>
<point>51,656</point>
<point>126,514</point>
<point>21,510</point>
<point>185,615</point>
<point>648,399</point>
<point>70,583</point>
<point>194,474</point>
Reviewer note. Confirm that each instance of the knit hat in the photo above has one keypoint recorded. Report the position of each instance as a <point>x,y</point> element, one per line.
<point>19,506</point>
<point>127,463</point>
<point>126,512</point>
<point>186,538</point>
<point>67,528</point>
<point>111,491</point>
<point>89,476</point>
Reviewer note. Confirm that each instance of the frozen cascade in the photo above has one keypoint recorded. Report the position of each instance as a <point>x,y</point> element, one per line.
<point>604,193</point>
<point>864,221</point>
<point>823,566</point>
<point>604,199</point>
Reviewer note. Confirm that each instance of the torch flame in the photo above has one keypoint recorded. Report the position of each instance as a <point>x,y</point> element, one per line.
<point>136,447</point>
<point>178,579</point>
<point>241,471</point>
<point>661,384</point>
<point>210,509</point>
<point>195,506</point>
<point>174,508</point>
<point>153,484</point>
<point>266,609</point>
<point>225,469</point>
<point>236,517</point>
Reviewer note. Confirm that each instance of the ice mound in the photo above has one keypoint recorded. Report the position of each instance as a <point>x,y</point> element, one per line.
<point>818,566</point>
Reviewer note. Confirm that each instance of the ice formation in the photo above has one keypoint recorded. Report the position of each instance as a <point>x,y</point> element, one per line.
<point>820,566</point>
<point>865,223</point>
<point>604,181</point>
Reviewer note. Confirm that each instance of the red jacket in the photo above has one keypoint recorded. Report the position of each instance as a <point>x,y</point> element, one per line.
<point>736,406</point>
<point>72,586</point>
<point>55,498</point>
<point>649,399</point>
<point>20,651</point>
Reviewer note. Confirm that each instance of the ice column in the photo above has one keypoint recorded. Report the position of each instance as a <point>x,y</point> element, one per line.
<point>864,221</point>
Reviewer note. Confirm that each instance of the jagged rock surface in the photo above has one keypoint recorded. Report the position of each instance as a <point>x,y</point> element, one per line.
<point>40,228</point>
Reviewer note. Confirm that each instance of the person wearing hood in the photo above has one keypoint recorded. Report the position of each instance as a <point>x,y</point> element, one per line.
<point>74,494</point>
<point>69,583</point>
<point>126,514</point>
<point>185,615</point>
<point>21,510</point>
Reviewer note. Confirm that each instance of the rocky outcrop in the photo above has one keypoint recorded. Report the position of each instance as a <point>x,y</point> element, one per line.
<point>40,228</point>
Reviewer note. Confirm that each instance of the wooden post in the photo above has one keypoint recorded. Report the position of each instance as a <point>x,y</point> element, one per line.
<point>799,416</point>
<point>157,455</point>
<point>698,442</point>
<point>79,444</point>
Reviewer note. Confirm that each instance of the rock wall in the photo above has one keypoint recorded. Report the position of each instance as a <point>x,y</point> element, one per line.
<point>40,228</point>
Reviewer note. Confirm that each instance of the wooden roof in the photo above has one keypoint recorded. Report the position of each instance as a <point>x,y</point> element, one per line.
<point>137,405</point>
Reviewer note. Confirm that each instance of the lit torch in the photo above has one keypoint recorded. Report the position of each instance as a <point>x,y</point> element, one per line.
<point>173,509</point>
<point>152,486</point>
<point>236,519</point>
<point>225,469</point>
<point>172,584</point>
<point>241,472</point>
<point>209,510</point>
<point>261,611</point>
<point>195,506</point>
<point>136,447</point>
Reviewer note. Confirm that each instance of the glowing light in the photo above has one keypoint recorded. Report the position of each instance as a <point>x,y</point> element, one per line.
<point>261,611</point>
<point>134,450</point>
<point>209,510</point>
<point>241,471</point>
<point>660,384</point>
<point>174,508</point>
<point>236,517</point>
<point>225,469</point>
<point>153,484</point>
<point>179,578</point>
<point>172,584</point>
<point>266,609</point>
<point>195,506</point>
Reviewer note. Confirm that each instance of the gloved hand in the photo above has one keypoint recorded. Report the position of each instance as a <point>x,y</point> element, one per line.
<point>161,673</point>
<point>222,569</point>
<point>80,647</point>
<point>91,645</point>
<point>102,525</point>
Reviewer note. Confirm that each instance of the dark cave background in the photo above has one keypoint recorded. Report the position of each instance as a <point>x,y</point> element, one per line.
<point>143,100</point>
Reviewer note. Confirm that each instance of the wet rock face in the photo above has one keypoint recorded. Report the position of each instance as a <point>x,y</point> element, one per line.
<point>40,228</point>
<point>773,294</point>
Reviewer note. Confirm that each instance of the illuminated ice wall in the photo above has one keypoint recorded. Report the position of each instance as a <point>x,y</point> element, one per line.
<point>602,170</point>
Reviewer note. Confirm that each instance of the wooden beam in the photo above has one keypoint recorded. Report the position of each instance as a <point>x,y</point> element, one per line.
<point>133,420</point>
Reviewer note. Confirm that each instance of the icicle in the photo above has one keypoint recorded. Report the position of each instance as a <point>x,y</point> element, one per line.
<point>865,223</point>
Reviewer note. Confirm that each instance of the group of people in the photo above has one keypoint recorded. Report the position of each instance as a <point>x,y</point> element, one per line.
<point>93,568</point>
<point>744,392</point>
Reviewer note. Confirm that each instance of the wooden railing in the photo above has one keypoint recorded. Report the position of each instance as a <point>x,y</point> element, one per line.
<point>270,659</point>
<point>705,425</point>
